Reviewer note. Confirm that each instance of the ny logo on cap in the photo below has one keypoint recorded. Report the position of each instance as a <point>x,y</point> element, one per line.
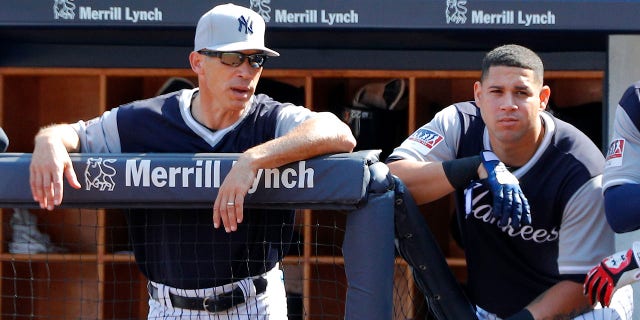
<point>246,24</point>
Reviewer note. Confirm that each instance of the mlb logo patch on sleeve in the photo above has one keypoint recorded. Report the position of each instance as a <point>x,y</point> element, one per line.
<point>615,153</point>
<point>426,137</point>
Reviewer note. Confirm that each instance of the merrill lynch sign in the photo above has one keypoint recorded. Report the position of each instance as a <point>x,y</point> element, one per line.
<point>193,180</point>
<point>403,14</point>
<point>205,174</point>
<point>67,10</point>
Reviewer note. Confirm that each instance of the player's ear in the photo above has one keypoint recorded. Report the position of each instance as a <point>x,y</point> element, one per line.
<point>477,90</point>
<point>545,95</point>
<point>195,59</point>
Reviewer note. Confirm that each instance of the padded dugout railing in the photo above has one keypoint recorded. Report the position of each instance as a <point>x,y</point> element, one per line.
<point>356,182</point>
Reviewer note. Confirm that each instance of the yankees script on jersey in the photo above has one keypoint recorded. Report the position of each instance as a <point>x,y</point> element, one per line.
<point>509,268</point>
<point>180,247</point>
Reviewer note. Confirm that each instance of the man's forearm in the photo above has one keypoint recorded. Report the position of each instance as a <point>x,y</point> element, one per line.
<point>426,181</point>
<point>562,301</point>
<point>323,134</point>
<point>62,133</point>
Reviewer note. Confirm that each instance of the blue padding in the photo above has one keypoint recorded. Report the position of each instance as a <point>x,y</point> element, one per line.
<point>354,181</point>
<point>337,181</point>
<point>368,250</point>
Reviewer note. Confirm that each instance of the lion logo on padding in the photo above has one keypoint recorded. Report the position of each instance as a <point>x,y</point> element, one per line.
<point>456,11</point>
<point>99,174</point>
<point>262,8</point>
<point>63,9</point>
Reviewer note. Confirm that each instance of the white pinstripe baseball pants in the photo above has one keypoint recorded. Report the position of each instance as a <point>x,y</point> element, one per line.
<point>270,305</point>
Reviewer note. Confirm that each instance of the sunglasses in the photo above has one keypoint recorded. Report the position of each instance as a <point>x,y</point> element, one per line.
<point>236,59</point>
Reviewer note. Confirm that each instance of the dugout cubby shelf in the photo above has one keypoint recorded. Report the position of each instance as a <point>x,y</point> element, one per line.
<point>96,278</point>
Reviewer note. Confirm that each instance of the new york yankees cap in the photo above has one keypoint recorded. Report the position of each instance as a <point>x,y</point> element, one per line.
<point>229,27</point>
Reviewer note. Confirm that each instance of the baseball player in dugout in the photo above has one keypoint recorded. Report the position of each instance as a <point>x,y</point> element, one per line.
<point>621,185</point>
<point>528,190</point>
<point>197,260</point>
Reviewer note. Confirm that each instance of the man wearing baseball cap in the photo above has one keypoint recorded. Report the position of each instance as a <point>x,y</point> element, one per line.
<point>200,264</point>
<point>229,28</point>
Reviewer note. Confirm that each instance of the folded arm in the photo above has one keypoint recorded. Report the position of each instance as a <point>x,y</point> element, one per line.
<point>321,134</point>
<point>426,181</point>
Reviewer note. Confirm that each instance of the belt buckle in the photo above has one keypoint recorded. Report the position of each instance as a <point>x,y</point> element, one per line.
<point>223,301</point>
<point>206,304</point>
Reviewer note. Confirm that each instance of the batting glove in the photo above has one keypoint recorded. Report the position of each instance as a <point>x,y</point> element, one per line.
<point>510,206</point>
<point>613,272</point>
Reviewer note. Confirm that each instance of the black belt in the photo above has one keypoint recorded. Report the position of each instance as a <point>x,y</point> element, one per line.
<point>217,303</point>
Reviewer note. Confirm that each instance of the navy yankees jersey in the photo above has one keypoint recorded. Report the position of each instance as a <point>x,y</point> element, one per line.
<point>181,248</point>
<point>508,268</point>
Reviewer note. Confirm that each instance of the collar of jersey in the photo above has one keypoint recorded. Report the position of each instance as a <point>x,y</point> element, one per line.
<point>211,137</point>
<point>550,128</point>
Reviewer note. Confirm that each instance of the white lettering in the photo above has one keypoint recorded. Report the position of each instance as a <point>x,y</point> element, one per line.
<point>271,178</point>
<point>115,14</point>
<point>528,233</point>
<point>286,178</point>
<point>142,15</point>
<point>139,173</point>
<point>206,173</point>
<point>216,173</point>
<point>529,19</point>
<point>199,174</point>
<point>305,172</point>
<point>159,177</point>
<point>308,16</point>
<point>254,186</point>
<point>186,172</point>
<point>482,211</point>
<point>507,17</point>
<point>540,235</point>
<point>330,18</point>
<point>87,13</point>
<point>173,172</point>
<point>206,179</point>
<point>480,17</point>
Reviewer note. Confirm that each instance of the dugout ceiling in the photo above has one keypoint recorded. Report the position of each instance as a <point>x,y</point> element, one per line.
<point>399,34</point>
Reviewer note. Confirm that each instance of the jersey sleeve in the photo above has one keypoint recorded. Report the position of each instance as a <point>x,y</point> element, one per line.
<point>585,237</point>
<point>100,134</point>
<point>621,177</point>
<point>435,141</point>
<point>623,155</point>
<point>622,169</point>
<point>291,116</point>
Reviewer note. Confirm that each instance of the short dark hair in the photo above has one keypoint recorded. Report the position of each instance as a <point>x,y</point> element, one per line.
<point>513,55</point>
